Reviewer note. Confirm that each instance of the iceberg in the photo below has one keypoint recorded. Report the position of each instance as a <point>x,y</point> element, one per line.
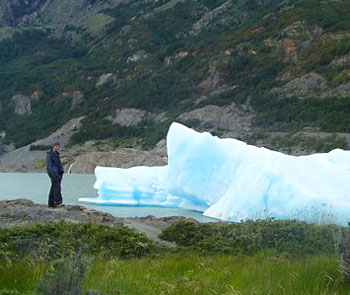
<point>230,180</point>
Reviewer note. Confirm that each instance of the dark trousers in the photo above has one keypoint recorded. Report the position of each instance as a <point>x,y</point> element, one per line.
<point>55,197</point>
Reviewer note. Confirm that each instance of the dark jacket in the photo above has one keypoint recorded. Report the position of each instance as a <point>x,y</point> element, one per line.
<point>53,164</point>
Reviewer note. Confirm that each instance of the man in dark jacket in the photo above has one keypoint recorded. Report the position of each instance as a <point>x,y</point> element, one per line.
<point>55,171</point>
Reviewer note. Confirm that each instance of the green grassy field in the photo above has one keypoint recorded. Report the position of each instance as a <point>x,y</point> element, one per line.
<point>253,257</point>
<point>194,274</point>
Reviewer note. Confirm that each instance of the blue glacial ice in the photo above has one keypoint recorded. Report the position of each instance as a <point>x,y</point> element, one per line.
<point>231,180</point>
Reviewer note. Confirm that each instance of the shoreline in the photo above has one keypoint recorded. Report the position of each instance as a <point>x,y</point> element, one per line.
<point>21,212</point>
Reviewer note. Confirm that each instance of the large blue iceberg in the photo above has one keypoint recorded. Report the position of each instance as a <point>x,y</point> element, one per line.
<point>231,180</point>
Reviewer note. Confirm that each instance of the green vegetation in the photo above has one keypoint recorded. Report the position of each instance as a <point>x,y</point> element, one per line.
<point>161,52</point>
<point>193,274</point>
<point>330,114</point>
<point>282,237</point>
<point>56,240</point>
<point>262,257</point>
<point>225,274</point>
<point>298,141</point>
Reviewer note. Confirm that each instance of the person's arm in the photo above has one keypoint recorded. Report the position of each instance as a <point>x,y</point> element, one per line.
<point>49,167</point>
<point>61,171</point>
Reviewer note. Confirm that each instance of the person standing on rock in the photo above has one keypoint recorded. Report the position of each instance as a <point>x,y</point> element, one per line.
<point>55,171</point>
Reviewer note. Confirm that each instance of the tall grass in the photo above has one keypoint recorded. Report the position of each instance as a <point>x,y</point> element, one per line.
<point>20,276</point>
<point>225,275</point>
<point>193,274</point>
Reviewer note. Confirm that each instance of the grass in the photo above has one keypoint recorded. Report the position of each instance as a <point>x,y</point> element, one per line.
<point>253,258</point>
<point>193,274</point>
<point>21,276</point>
<point>219,275</point>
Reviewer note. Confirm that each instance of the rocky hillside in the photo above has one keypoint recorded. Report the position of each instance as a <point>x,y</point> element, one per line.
<point>271,72</point>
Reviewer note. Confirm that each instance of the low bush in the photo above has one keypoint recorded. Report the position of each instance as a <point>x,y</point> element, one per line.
<point>65,276</point>
<point>343,243</point>
<point>56,240</point>
<point>283,237</point>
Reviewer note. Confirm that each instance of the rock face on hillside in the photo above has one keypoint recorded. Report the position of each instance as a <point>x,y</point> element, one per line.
<point>76,159</point>
<point>128,116</point>
<point>312,85</point>
<point>106,79</point>
<point>42,13</point>
<point>225,67</point>
<point>29,158</point>
<point>22,104</point>
<point>228,118</point>
<point>307,83</point>
<point>121,158</point>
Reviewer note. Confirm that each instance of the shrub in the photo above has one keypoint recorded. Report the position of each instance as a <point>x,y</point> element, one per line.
<point>66,275</point>
<point>284,237</point>
<point>343,243</point>
<point>57,240</point>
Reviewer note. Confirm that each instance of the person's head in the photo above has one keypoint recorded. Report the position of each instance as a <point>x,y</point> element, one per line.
<point>55,147</point>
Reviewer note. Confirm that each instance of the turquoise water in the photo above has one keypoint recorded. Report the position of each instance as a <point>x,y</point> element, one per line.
<point>35,186</point>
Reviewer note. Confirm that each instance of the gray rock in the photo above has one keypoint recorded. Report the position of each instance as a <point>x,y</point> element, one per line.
<point>107,78</point>
<point>309,85</point>
<point>23,211</point>
<point>342,61</point>
<point>137,57</point>
<point>24,160</point>
<point>308,82</point>
<point>160,149</point>
<point>344,87</point>
<point>122,158</point>
<point>223,118</point>
<point>129,116</point>
<point>22,104</point>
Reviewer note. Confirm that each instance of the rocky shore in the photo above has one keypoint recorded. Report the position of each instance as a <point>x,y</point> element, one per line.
<point>23,211</point>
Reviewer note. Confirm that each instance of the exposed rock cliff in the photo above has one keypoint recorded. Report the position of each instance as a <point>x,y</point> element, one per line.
<point>228,118</point>
<point>121,158</point>
<point>22,104</point>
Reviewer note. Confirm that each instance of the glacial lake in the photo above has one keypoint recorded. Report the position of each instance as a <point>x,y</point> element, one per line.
<point>35,186</point>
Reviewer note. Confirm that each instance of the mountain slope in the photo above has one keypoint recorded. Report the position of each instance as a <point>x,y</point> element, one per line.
<point>272,72</point>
